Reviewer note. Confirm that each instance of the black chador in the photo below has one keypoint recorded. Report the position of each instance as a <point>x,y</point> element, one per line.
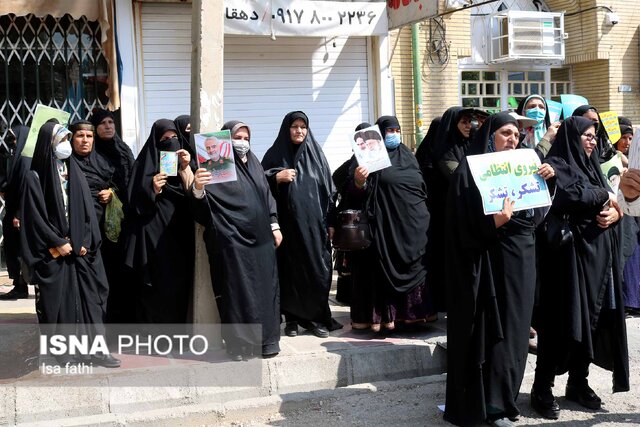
<point>242,256</point>
<point>160,243</point>
<point>57,210</point>
<point>304,258</point>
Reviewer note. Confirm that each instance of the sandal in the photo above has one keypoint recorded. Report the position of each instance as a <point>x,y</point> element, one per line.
<point>375,327</point>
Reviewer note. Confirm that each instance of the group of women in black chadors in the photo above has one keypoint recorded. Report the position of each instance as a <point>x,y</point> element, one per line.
<point>501,271</point>
<point>268,238</point>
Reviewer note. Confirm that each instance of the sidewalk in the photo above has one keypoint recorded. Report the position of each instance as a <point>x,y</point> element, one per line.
<point>306,363</point>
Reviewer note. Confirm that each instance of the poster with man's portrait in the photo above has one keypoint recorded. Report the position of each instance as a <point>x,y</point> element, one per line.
<point>215,154</point>
<point>368,146</point>
<point>612,169</point>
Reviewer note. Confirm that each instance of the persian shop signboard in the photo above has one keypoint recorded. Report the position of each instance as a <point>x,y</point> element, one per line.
<point>305,18</point>
<point>404,12</point>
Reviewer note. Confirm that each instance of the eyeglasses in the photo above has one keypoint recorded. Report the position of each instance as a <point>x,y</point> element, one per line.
<point>589,136</point>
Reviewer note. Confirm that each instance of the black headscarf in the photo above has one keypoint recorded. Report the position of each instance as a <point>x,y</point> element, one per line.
<point>117,153</point>
<point>398,216</point>
<point>568,147</point>
<point>424,153</point>
<point>17,169</point>
<point>482,140</point>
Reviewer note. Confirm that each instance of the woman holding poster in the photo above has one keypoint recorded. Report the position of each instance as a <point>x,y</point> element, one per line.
<point>241,235</point>
<point>581,283</point>
<point>389,276</point>
<point>492,277</point>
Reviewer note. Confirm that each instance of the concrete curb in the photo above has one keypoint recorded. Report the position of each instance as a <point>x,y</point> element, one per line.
<point>236,410</point>
<point>109,401</point>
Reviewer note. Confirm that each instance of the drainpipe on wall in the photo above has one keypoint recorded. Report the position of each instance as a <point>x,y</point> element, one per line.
<point>417,80</point>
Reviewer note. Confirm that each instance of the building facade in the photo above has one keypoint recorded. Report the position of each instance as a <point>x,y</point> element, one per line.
<point>601,61</point>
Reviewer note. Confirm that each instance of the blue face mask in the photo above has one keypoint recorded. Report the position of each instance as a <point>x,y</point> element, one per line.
<point>536,114</point>
<point>392,140</point>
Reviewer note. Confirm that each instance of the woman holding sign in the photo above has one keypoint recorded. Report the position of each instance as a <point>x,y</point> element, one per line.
<point>491,276</point>
<point>160,243</point>
<point>581,283</point>
<point>242,234</point>
<point>389,276</point>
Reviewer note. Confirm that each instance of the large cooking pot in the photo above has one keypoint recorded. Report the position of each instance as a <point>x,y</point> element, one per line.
<point>352,231</point>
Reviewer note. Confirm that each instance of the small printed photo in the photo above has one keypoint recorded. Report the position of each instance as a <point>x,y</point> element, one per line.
<point>169,163</point>
<point>215,154</point>
<point>368,147</point>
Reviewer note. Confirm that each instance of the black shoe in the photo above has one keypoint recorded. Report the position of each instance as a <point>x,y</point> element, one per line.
<point>270,355</point>
<point>545,404</point>
<point>584,396</point>
<point>236,357</point>
<point>14,294</point>
<point>106,360</point>
<point>320,331</point>
<point>291,329</point>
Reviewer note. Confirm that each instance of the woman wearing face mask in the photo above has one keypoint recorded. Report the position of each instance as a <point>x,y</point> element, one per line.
<point>300,181</point>
<point>160,243</point>
<point>60,242</point>
<point>541,135</point>
<point>491,287</point>
<point>581,284</point>
<point>241,235</point>
<point>389,276</point>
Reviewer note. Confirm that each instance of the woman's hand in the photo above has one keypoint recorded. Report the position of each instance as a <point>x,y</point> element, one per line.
<point>202,178</point>
<point>105,196</point>
<point>546,171</point>
<point>610,213</point>
<point>552,131</point>
<point>277,237</point>
<point>16,223</point>
<point>65,249</point>
<point>360,176</point>
<point>184,158</point>
<point>330,233</point>
<point>159,181</point>
<point>504,215</point>
<point>287,175</point>
<point>83,251</point>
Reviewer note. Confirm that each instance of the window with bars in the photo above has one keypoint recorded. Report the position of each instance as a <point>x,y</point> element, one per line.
<point>58,62</point>
<point>481,88</point>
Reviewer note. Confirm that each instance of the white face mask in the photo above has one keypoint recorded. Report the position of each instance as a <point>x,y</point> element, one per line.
<point>63,150</point>
<point>241,146</point>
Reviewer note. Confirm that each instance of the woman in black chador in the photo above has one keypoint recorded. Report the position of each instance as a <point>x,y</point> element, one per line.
<point>108,169</point>
<point>160,244</point>
<point>19,166</point>
<point>300,181</point>
<point>581,282</point>
<point>389,276</point>
<point>60,241</point>
<point>491,275</point>
<point>241,236</point>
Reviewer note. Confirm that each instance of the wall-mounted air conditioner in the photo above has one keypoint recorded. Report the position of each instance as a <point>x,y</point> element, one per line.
<point>518,35</point>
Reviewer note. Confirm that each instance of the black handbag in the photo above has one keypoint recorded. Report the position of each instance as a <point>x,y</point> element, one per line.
<point>557,230</point>
<point>352,232</point>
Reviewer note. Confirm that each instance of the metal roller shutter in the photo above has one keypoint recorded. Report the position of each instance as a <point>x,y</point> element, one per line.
<point>263,79</point>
